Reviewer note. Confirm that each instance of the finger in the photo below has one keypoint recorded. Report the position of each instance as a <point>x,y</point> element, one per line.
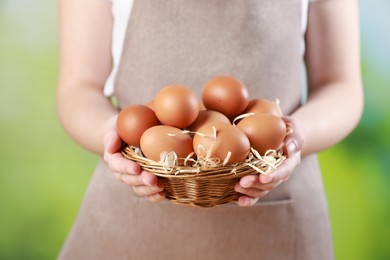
<point>112,142</point>
<point>245,201</point>
<point>249,180</point>
<point>147,190</point>
<point>252,192</point>
<point>257,181</point>
<point>265,178</point>
<point>294,141</point>
<point>143,179</point>
<point>285,170</point>
<point>157,197</point>
<point>292,145</point>
<point>271,185</point>
<point>132,180</point>
<point>118,163</point>
<point>150,179</point>
<point>258,185</point>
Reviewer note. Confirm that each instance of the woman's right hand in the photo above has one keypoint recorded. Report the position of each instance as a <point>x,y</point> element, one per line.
<point>143,183</point>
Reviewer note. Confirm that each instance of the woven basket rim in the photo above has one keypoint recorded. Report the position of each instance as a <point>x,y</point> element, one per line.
<point>200,187</point>
<point>238,169</point>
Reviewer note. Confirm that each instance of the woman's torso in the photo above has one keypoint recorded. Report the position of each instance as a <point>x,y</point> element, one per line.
<point>121,11</point>
<point>188,42</point>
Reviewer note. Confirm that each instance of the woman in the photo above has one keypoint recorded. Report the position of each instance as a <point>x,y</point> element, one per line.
<point>279,216</point>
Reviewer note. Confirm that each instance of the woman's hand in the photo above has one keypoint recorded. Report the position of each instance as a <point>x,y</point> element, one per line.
<point>129,172</point>
<point>254,187</point>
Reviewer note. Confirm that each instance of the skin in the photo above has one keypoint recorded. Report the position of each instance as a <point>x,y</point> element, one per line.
<point>333,109</point>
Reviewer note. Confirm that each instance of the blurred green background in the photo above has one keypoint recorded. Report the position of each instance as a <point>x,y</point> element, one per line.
<point>43,174</point>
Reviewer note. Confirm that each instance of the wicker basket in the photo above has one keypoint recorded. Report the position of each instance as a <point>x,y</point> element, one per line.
<point>205,187</point>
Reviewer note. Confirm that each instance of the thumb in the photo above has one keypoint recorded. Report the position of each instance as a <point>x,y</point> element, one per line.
<point>294,141</point>
<point>112,142</point>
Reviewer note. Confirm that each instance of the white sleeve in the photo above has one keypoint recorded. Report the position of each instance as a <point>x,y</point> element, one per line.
<point>121,10</point>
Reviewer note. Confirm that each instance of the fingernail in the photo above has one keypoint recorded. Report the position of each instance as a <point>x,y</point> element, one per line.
<point>265,178</point>
<point>130,170</point>
<point>291,147</point>
<point>146,181</point>
<point>246,183</point>
<point>245,203</point>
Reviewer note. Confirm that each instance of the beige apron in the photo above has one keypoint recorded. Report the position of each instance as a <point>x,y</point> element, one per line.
<point>189,42</point>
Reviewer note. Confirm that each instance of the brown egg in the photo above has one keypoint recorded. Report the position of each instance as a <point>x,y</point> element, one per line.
<point>133,121</point>
<point>176,105</point>
<point>208,116</point>
<point>265,131</point>
<point>263,106</point>
<point>228,139</point>
<point>156,141</point>
<point>227,95</point>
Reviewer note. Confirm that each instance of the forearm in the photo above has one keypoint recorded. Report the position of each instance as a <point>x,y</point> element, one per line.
<point>335,99</point>
<point>84,114</point>
<point>330,114</point>
<point>85,64</point>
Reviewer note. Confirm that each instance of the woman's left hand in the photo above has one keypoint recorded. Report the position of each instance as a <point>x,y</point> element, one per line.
<point>253,187</point>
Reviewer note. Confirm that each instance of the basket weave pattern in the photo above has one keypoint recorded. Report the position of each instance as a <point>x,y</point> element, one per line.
<point>205,187</point>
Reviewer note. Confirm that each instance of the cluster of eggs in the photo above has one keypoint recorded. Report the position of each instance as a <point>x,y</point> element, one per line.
<point>157,128</point>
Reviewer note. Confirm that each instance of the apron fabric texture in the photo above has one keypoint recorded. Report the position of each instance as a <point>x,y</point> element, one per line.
<point>189,42</point>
